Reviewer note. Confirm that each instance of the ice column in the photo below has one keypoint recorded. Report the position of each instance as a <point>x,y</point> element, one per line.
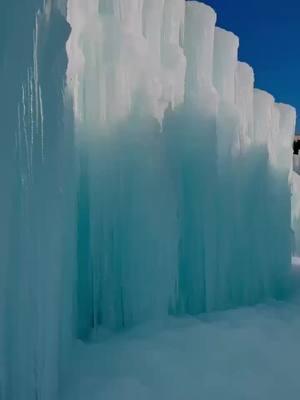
<point>172,56</point>
<point>199,48</point>
<point>244,83</point>
<point>191,134</point>
<point>225,63</point>
<point>284,142</point>
<point>126,269</point>
<point>38,213</point>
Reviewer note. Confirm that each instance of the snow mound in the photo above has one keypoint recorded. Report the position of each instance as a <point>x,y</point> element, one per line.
<point>244,354</point>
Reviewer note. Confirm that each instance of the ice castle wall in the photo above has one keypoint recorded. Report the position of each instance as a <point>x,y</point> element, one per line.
<point>175,138</point>
<point>170,194</point>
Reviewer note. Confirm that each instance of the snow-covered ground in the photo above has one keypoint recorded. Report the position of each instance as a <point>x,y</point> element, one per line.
<point>245,354</point>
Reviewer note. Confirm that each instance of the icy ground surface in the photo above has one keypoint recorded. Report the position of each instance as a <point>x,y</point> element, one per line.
<point>250,353</point>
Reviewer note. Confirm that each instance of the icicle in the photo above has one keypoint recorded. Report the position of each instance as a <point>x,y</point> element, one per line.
<point>42,123</point>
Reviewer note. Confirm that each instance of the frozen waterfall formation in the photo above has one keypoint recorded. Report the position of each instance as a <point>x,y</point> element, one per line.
<point>144,176</point>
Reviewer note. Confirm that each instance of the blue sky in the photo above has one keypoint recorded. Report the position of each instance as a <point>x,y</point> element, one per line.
<point>269,32</point>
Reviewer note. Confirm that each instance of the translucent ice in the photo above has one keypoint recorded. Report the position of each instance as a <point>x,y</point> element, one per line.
<point>37,227</point>
<point>174,119</point>
<point>141,176</point>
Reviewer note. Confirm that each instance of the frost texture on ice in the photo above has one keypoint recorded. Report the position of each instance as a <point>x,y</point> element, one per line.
<point>142,176</point>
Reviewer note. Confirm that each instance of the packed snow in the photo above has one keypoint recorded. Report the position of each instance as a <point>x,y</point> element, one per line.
<point>251,353</point>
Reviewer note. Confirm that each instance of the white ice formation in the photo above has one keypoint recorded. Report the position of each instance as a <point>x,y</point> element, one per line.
<point>146,177</point>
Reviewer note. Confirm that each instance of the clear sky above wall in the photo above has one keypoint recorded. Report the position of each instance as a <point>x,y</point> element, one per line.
<point>269,32</point>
